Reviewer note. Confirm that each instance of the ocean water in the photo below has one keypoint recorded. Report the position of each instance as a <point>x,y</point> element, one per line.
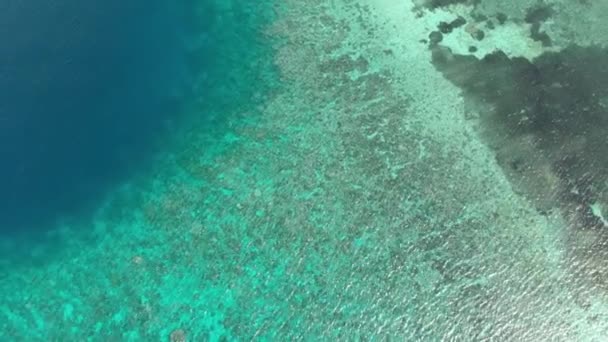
<point>87,90</point>
<point>213,170</point>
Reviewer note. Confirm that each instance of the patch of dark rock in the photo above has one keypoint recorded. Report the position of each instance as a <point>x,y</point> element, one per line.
<point>444,27</point>
<point>458,22</point>
<point>479,17</point>
<point>435,37</point>
<point>549,114</point>
<point>517,164</point>
<point>535,16</point>
<point>539,36</point>
<point>432,4</point>
<point>501,17</point>
<point>539,14</point>
<point>478,34</point>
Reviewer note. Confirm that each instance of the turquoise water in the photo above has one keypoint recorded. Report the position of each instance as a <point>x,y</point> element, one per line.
<point>319,171</point>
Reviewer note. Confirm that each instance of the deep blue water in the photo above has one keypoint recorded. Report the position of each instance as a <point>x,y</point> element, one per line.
<point>86,89</point>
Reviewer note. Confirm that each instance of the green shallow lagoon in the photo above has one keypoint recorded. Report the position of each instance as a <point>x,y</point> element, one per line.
<point>338,175</point>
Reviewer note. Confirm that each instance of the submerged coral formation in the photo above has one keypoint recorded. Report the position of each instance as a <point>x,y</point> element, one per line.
<point>369,184</point>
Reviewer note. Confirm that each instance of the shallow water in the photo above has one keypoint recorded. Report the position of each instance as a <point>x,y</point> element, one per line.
<point>344,170</point>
